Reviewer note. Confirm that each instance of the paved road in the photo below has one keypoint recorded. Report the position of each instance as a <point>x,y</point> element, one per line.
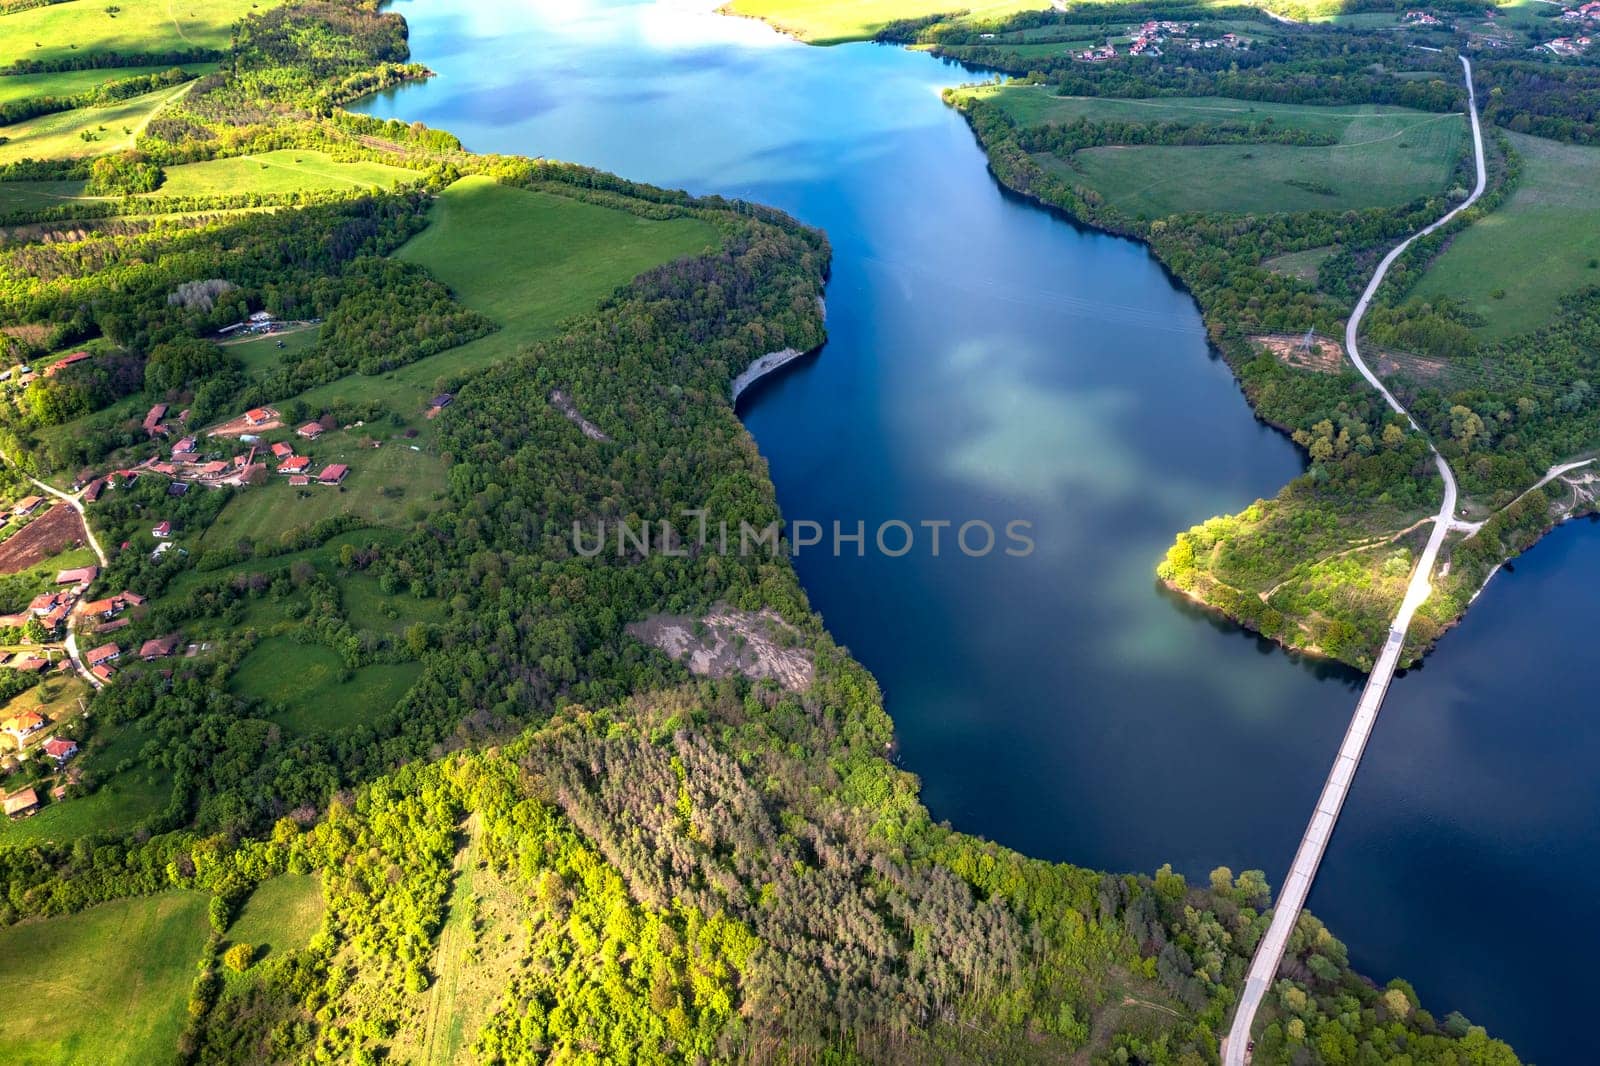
<point>76,504</point>
<point>1292,895</point>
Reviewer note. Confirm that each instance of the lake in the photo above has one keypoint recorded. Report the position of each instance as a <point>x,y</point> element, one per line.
<point>990,360</point>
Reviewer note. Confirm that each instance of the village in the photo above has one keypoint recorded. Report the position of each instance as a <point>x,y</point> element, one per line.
<point>1147,38</point>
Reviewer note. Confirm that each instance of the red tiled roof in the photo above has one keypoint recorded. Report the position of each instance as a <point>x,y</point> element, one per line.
<point>104,653</point>
<point>282,450</point>
<point>332,474</point>
<point>82,574</point>
<point>59,747</point>
<point>310,429</point>
<point>294,464</point>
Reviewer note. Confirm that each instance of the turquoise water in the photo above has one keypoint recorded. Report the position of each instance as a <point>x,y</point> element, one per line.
<point>991,360</point>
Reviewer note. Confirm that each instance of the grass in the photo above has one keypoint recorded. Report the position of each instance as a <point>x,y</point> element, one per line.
<point>72,82</point>
<point>261,355</point>
<point>367,607</point>
<point>1536,248</point>
<point>83,27</point>
<point>324,555</point>
<point>1303,265</point>
<point>836,21</point>
<point>529,261</point>
<point>282,914</point>
<point>388,486</point>
<point>1384,155</point>
<point>61,135</point>
<point>123,801</point>
<point>287,170</point>
<point>304,680</point>
<point>106,986</point>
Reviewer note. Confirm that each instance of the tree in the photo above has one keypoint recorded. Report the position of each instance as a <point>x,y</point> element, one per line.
<point>239,957</point>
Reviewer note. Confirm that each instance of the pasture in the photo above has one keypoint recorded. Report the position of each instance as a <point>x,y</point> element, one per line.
<point>84,27</point>
<point>529,261</point>
<point>836,21</point>
<point>1514,265</point>
<point>15,87</point>
<point>130,791</point>
<point>105,986</point>
<point>288,170</point>
<point>306,691</point>
<point>1383,155</point>
<point>282,914</point>
<point>84,131</point>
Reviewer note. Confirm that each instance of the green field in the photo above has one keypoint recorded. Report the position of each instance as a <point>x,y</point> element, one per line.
<point>1384,156</point>
<point>107,986</point>
<point>324,555</point>
<point>304,680</point>
<point>121,802</point>
<point>528,260</point>
<point>60,136</point>
<point>367,607</point>
<point>1303,265</point>
<point>261,355</point>
<point>282,914</point>
<point>388,486</point>
<point>71,82</point>
<point>82,27</point>
<point>1535,249</point>
<point>287,170</point>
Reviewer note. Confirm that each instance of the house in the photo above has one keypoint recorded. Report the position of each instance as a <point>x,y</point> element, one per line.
<point>295,464</point>
<point>22,804</point>
<point>95,488</point>
<point>258,416</point>
<point>61,364</point>
<point>103,672</point>
<point>185,449</point>
<point>258,317</point>
<point>162,531</point>
<point>161,549</point>
<point>15,621</point>
<point>333,475</point>
<point>28,664</point>
<point>60,749</point>
<point>177,488</point>
<point>46,602</point>
<point>112,605</point>
<point>442,400</point>
<point>57,615</point>
<point>82,575</point>
<point>310,431</point>
<point>22,726</point>
<point>282,450</point>
<point>27,505</point>
<point>159,648</point>
<point>152,420</point>
<point>105,653</point>
<point>113,625</point>
<point>215,468</point>
<point>298,479</point>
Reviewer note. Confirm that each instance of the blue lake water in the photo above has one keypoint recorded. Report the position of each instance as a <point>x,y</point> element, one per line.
<point>991,360</point>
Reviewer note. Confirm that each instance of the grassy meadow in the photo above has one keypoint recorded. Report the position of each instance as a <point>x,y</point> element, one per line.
<point>62,135</point>
<point>288,170</point>
<point>123,800</point>
<point>836,21</point>
<point>1514,265</point>
<point>1384,155</point>
<point>106,986</point>
<point>304,680</point>
<point>282,914</point>
<point>15,87</point>
<point>80,27</point>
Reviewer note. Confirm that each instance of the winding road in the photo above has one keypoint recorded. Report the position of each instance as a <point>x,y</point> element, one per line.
<point>1292,896</point>
<point>71,500</point>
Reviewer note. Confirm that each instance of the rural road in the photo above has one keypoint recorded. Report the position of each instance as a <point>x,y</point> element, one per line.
<point>76,504</point>
<point>1292,896</point>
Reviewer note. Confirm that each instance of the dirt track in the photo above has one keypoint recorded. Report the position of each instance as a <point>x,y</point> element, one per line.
<point>49,534</point>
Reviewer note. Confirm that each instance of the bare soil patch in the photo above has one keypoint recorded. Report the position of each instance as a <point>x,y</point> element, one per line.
<point>48,535</point>
<point>564,403</point>
<point>240,426</point>
<point>757,645</point>
<point>1322,355</point>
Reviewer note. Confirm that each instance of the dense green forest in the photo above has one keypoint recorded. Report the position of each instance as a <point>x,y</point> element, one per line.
<point>665,868</point>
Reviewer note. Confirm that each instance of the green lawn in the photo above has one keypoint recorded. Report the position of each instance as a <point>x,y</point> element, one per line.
<point>71,82</point>
<point>324,555</point>
<point>83,27</point>
<point>261,355</point>
<point>303,679</point>
<point>282,914</point>
<point>287,170</point>
<point>529,260</point>
<point>107,986</point>
<point>1384,155</point>
<point>1535,249</point>
<point>121,802</point>
<point>388,486</point>
<point>60,135</point>
<point>1303,265</point>
<point>366,606</point>
<point>36,195</point>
